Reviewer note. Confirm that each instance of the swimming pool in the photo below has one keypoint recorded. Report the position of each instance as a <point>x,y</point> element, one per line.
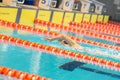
<point>51,66</point>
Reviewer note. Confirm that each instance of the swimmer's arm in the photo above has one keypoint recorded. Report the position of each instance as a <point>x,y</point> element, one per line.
<point>54,38</point>
<point>63,37</point>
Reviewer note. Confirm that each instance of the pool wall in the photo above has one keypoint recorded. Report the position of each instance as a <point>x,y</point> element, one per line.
<point>26,15</point>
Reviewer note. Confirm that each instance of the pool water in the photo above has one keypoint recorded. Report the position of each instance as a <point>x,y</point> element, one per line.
<point>51,66</point>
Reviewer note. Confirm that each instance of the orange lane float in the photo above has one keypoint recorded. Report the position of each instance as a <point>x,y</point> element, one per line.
<point>86,33</point>
<point>20,75</point>
<point>98,28</point>
<point>49,33</point>
<point>105,26</point>
<point>55,51</point>
<point>109,25</point>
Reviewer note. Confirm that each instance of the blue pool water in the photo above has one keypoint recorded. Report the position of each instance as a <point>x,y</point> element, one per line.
<point>50,66</point>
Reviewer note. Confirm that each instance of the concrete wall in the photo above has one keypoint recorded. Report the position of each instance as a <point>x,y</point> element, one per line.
<point>112,9</point>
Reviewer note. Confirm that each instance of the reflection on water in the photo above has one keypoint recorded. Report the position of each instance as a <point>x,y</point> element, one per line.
<point>35,63</point>
<point>103,53</point>
<point>4,47</point>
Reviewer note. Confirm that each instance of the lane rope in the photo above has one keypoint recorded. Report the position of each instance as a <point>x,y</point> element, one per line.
<point>97,28</point>
<point>77,31</point>
<point>60,52</point>
<point>107,25</point>
<point>19,74</point>
<point>38,31</point>
<point>110,23</point>
<point>47,33</point>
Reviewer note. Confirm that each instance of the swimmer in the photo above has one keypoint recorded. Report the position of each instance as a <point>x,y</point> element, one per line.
<point>66,41</point>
